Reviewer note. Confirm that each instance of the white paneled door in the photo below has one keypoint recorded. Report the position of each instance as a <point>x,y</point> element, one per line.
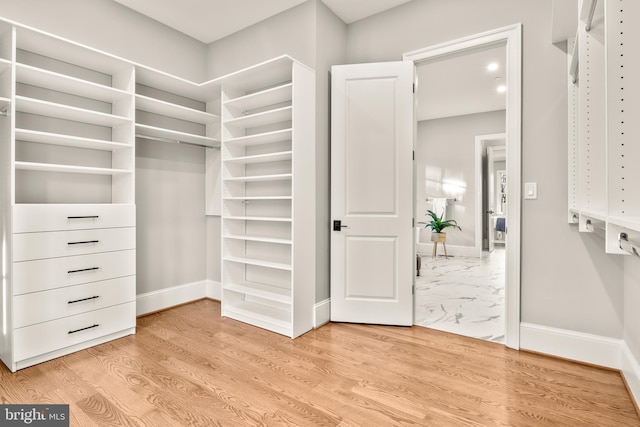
<point>372,248</point>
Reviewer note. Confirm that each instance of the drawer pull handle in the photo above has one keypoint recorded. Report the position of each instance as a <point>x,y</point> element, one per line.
<point>83,269</point>
<point>84,299</point>
<point>84,217</point>
<point>83,329</point>
<point>84,242</point>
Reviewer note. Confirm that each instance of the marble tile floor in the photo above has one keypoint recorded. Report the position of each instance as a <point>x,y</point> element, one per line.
<point>462,295</point>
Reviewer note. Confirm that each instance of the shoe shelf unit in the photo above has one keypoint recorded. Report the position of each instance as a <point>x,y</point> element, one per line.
<point>268,196</point>
<point>604,98</point>
<point>67,168</point>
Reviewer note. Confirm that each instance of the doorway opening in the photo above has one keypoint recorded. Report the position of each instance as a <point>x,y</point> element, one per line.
<point>448,175</point>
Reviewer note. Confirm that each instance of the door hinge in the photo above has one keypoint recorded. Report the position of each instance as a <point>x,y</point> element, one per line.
<point>414,88</point>
<point>413,222</point>
<point>414,154</point>
<point>413,289</point>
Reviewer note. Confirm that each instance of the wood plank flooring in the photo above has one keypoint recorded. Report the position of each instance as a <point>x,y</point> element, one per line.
<point>189,367</point>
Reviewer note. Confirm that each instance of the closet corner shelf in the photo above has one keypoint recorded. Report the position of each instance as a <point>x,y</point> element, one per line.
<point>242,198</point>
<point>4,65</point>
<point>66,112</point>
<point>62,83</point>
<point>28,135</point>
<point>169,135</point>
<point>258,262</point>
<point>48,167</point>
<point>262,291</point>
<point>169,109</point>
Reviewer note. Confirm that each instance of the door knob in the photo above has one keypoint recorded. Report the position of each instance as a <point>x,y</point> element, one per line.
<point>490,212</point>
<point>337,225</point>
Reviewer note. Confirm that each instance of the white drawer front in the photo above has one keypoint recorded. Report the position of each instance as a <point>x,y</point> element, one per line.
<point>31,246</point>
<point>42,338</point>
<point>38,307</point>
<point>41,275</point>
<point>33,218</point>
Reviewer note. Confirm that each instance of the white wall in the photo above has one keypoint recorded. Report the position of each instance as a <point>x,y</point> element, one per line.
<point>171,224</point>
<point>291,32</point>
<point>567,280</point>
<point>108,26</point>
<point>445,153</point>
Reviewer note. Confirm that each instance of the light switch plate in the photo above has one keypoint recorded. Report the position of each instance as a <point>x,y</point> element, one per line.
<point>530,190</point>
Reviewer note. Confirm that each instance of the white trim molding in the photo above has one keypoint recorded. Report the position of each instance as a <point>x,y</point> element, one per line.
<point>321,313</point>
<point>631,371</point>
<point>165,298</point>
<point>511,37</point>
<point>578,346</point>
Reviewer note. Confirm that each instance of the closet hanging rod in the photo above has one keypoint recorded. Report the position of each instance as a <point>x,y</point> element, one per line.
<point>173,141</point>
<point>626,245</point>
<point>591,226</point>
<point>591,12</point>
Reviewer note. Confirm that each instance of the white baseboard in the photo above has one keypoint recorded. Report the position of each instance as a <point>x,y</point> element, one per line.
<point>169,297</point>
<point>587,348</point>
<point>322,313</point>
<point>631,370</point>
<point>214,290</point>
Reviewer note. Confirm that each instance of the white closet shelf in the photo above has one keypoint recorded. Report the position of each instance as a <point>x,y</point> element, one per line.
<point>262,138</point>
<point>262,158</point>
<point>66,112</point>
<point>69,141</point>
<point>169,109</point>
<point>67,84</point>
<point>599,215</point>
<point>258,239</point>
<point>261,119</point>
<point>261,75</point>
<point>261,291</point>
<point>169,135</point>
<point>5,64</point>
<point>262,98</point>
<point>632,223</point>
<point>258,262</point>
<point>68,51</point>
<point>241,198</point>
<point>260,178</point>
<point>260,315</point>
<point>259,218</point>
<point>49,167</point>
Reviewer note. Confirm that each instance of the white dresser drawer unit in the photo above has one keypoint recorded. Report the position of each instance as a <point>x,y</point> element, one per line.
<point>32,218</point>
<point>36,340</point>
<point>31,246</point>
<point>41,275</point>
<point>44,306</point>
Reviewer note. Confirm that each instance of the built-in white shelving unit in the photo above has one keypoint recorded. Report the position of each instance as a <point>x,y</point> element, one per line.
<point>70,116</point>
<point>268,197</point>
<point>603,102</point>
<point>68,191</point>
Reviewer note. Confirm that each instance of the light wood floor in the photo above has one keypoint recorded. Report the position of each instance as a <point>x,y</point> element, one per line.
<point>188,366</point>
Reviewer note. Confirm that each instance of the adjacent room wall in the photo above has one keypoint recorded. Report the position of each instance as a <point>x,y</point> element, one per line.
<point>567,280</point>
<point>446,154</point>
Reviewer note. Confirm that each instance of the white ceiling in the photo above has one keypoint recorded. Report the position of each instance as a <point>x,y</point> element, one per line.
<point>210,20</point>
<point>451,87</point>
<point>461,84</point>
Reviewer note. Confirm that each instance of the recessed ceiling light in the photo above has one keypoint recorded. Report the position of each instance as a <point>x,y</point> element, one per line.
<point>493,66</point>
<point>501,89</point>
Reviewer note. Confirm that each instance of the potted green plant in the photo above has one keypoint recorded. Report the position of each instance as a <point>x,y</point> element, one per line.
<point>437,225</point>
